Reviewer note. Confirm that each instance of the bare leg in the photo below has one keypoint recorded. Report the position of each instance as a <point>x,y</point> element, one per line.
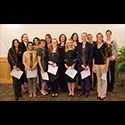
<point>43,91</point>
<point>69,87</point>
<point>73,87</point>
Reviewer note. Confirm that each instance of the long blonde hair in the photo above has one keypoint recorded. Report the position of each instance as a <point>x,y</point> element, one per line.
<point>66,46</point>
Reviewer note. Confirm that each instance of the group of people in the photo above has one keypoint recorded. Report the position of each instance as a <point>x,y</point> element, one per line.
<point>98,56</point>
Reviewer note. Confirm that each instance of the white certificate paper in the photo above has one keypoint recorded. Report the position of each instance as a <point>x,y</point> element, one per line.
<point>85,73</point>
<point>16,74</point>
<point>52,70</point>
<point>104,76</point>
<point>71,72</point>
<point>31,74</point>
<point>45,76</point>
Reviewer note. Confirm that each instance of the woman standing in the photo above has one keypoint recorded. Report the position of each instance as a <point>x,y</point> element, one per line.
<point>48,39</point>
<point>62,80</point>
<point>113,52</point>
<point>30,63</point>
<point>23,45</point>
<point>85,56</point>
<point>70,60</point>
<point>90,40</point>
<point>15,60</point>
<point>75,39</point>
<point>36,42</point>
<point>100,64</point>
<point>62,40</point>
<point>42,55</point>
<point>55,58</point>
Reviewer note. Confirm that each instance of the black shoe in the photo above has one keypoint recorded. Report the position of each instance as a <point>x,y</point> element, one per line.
<point>70,95</point>
<point>80,94</point>
<point>110,90</point>
<point>16,98</point>
<point>98,97</point>
<point>102,98</point>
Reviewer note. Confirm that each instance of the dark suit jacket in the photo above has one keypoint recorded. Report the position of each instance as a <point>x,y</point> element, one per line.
<point>22,46</point>
<point>88,52</point>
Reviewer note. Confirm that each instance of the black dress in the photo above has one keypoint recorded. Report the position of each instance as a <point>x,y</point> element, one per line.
<point>56,57</point>
<point>70,59</point>
<point>62,80</point>
<point>44,60</point>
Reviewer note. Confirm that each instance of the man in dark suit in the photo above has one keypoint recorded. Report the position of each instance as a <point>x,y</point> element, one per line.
<point>23,45</point>
<point>84,57</point>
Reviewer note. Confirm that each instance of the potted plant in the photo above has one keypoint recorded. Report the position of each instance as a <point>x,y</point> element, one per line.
<point>120,68</point>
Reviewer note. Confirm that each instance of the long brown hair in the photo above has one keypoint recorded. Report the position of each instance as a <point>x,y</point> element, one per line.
<point>51,48</point>
<point>48,35</point>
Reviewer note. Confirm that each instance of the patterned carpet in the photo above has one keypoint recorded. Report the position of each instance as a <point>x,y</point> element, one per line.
<point>7,94</point>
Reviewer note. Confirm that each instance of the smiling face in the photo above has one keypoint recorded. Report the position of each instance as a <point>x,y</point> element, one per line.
<point>108,34</point>
<point>36,42</point>
<point>99,38</point>
<point>70,44</point>
<point>30,46</point>
<point>84,37</point>
<point>42,44</point>
<point>25,38</point>
<point>16,44</point>
<point>54,43</point>
<point>90,38</point>
<point>62,38</point>
<point>48,39</point>
<point>75,37</point>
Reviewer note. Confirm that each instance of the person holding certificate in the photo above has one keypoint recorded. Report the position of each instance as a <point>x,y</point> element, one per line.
<point>55,57</point>
<point>100,65</point>
<point>84,56</point>
<point>15,60</point>
<point>75,39</point>
<point>70,61</point>
<point>42,55</point>
<point>30,63</point>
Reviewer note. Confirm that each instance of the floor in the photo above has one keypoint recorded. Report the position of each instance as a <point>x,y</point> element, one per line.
<point>118,94</point>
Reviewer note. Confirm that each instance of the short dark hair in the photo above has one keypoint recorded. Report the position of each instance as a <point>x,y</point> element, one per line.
<point>29,43</point>
<point>109,31</point>
<point>37,40</point>
<point>13,43</point>
<point>45,43</point>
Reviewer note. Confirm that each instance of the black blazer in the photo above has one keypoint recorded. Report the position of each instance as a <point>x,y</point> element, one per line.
<point>88,52</point>
<point>57,57</point>
<point>70,57</point>
<point>15,59</point>
<point>22,46</point>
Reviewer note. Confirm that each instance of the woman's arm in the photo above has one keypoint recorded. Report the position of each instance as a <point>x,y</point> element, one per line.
<point>94,70</point>
<point>34,64</point>
<point>39,62</point>
<point>107,64</point>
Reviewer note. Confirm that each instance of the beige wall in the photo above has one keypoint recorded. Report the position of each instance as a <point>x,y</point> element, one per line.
<point>10,31</point>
